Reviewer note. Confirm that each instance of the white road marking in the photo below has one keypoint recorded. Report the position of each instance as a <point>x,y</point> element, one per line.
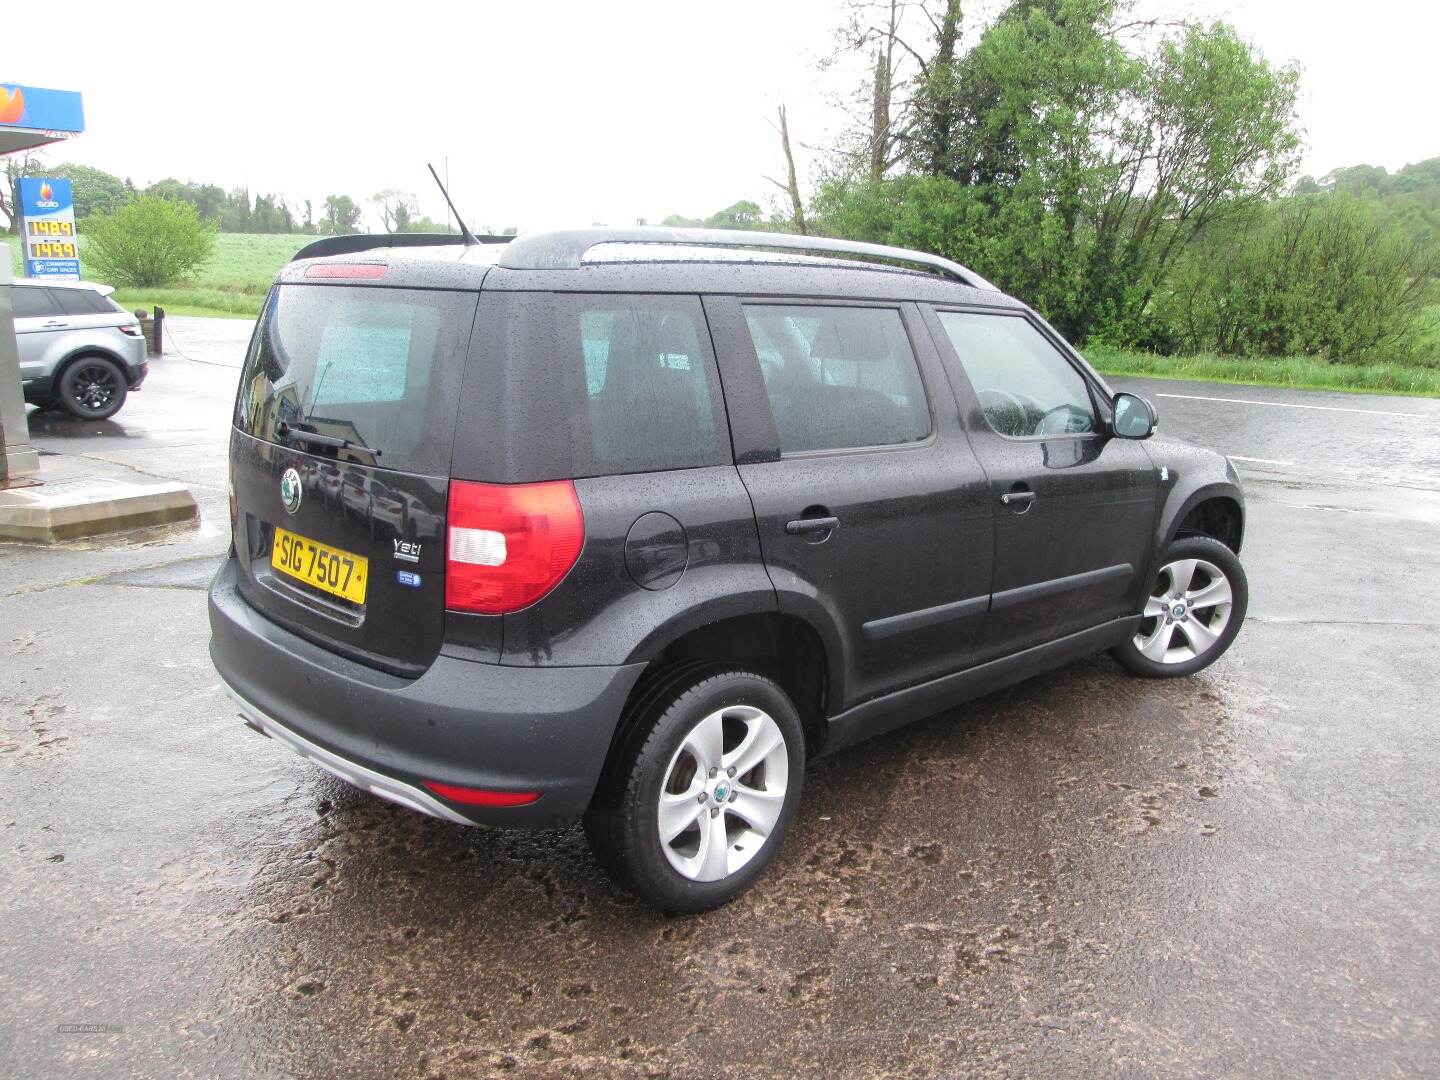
<point>1259,460</point>
<point>1291,405</point>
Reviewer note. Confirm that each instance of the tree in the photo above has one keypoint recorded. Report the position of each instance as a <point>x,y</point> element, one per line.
<point>880,108</point>
<point>741,215</point>
<point>26,163</point>
<point>1073,167</point>
<point>209,200</point>
<point>1326,275</point>
<point>95,190</point>
<point>791,186</point>
<point>342,216</point>
<point>271,215</point>
<point>936,98</point>
<point>424,224</point>
<point>237,216</point>
<point>150,241</point>
<point>397,209</point>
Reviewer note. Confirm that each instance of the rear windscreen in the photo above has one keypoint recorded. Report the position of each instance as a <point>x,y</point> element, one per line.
<point>378,368</point>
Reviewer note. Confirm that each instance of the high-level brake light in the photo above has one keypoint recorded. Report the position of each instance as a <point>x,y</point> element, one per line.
<point>345,270</point>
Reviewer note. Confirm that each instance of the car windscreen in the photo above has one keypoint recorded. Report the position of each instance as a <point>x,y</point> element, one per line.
<point>378,368</point>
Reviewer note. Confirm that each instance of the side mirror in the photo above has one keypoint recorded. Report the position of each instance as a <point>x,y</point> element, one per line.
<point>1134,417</point>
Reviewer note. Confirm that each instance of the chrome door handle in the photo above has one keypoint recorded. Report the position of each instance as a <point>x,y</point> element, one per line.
<point>811,525</point>
<point>1018,501</point>
<point>53,325</point>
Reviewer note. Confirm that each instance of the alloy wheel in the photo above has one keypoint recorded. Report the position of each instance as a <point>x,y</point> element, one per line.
<point>95,386</point>
<point>723,793</point>
<point>1186,613</point>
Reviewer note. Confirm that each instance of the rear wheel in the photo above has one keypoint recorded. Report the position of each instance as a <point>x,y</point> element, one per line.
<point>700,793</point>
<point>93,388</point>
<point>1195,607</point>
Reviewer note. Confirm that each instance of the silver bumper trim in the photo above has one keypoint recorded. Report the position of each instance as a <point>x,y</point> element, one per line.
<point>387,787</point>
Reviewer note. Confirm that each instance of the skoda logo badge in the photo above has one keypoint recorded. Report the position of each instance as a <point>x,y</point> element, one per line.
<point>290,490</point>
<point>722,792</point>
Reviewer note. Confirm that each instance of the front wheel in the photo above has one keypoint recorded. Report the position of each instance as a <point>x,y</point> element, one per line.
<point>1192,614</point>
<point>701,790</point>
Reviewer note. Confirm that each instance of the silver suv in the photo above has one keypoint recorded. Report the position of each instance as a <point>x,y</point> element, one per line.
<point>79,349</point>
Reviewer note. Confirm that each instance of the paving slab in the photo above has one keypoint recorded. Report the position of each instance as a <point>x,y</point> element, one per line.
<point>68,509</point>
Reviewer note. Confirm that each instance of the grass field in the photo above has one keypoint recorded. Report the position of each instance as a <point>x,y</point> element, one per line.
<point>234,281</point>
<point>231,284</point>
<point>1295,372</point>
<point>1420,378</point>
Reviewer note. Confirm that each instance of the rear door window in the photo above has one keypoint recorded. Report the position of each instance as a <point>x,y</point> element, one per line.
<point>838,377</point>
<point>82,302</point>
<point>376,366</point>
<point>651,397</point>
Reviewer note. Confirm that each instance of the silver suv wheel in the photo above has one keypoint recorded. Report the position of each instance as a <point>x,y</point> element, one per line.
<point>1187,612</point>
<point>723,793</point>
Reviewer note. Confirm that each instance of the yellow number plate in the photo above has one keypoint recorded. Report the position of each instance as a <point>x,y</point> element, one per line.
<point>340,573</point>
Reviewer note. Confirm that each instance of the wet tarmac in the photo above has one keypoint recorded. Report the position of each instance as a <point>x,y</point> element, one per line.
<point>1087,875</point>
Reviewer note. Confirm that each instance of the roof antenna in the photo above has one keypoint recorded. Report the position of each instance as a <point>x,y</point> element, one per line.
<point>465,233</point>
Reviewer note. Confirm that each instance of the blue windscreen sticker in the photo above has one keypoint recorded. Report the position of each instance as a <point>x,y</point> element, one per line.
<point>408,577</point>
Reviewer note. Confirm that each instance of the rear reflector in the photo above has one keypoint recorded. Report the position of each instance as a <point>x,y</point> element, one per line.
<point>345,270</point>
<point>509,544</point>
<point>470,796</point>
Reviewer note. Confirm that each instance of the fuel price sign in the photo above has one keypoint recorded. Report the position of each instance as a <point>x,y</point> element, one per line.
<point>47,229</point>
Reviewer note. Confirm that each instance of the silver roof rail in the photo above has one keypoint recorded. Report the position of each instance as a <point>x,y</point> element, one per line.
<point>565,249</point>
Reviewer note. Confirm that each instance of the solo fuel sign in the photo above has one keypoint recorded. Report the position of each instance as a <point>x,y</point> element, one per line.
<point>47,212</point>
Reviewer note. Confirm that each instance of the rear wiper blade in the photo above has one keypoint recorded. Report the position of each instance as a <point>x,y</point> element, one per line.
<point>314,438</point>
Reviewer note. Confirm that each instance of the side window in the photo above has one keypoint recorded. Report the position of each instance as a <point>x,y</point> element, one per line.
<point>81,302</point>
<point>838,377</point>
<point>1025,386</point>
<point>30,303</point>
<point>649,389</point>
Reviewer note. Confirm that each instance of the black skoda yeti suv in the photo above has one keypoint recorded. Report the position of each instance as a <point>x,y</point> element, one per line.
<point>627,526</point>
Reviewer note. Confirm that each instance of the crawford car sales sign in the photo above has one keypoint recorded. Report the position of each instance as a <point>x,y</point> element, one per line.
<point>47,229</point>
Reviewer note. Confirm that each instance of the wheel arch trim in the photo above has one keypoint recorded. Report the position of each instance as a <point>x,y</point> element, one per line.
<point>1173,514</point>
<point>800,608</point>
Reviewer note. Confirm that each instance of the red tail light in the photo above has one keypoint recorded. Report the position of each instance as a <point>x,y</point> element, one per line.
<point>509,544</point>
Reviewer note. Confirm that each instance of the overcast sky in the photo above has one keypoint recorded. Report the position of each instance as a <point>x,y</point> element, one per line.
<point>573,113</point>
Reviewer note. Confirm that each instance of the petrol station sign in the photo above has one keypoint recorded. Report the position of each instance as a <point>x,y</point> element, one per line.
<point>47,227</point>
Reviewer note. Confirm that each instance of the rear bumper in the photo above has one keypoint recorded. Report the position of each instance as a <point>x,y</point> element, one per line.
<point>38,391</point>
<point>387,787</point>
<point>544,729</point>
<point>41,389</point>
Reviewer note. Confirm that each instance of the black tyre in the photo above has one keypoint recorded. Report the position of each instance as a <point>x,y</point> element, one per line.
<point>93,388</point>
<point>1195,607</point>
<point>698,796</point>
